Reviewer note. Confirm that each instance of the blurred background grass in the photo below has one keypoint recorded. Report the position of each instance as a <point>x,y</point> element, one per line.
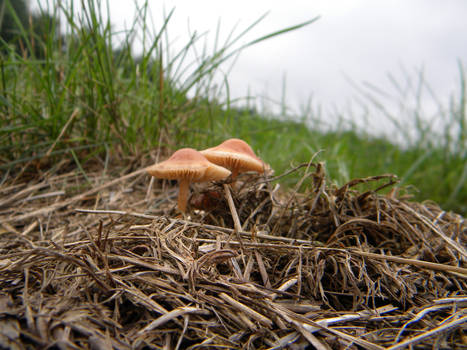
<point>71,90</point>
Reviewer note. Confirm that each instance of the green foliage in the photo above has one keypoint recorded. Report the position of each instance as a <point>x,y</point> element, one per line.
<point>13,16</point>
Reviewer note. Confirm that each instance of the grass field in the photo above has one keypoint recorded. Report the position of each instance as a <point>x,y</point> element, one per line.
<point>79,95</point>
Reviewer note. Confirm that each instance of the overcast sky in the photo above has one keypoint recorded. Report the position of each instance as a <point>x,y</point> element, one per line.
<point>360,40</point>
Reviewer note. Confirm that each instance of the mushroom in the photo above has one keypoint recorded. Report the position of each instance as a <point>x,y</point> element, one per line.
<point>187,165</point>
<point>235,155</point>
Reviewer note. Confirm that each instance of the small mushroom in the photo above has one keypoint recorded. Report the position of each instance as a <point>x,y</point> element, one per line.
<point>235,155</point>
<point>187,165</point>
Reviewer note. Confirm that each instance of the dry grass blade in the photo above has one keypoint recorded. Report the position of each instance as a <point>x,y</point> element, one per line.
<point>233,210</point>
<point>286,340</point>
<point>23,193</point>
<point>435,229</point>
<point>445,326</point>
<point>62,132</point>
<point>460,271</point>
<point>250,312</point>
<point>171,315</point>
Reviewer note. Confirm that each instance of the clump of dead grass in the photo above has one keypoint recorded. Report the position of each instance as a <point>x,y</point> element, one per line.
<point>115,267</point>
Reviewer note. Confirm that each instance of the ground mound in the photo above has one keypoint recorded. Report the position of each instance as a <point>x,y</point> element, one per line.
<point>109,264</point>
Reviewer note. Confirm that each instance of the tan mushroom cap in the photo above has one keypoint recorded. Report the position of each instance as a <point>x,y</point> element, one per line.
<point>187,165</point>
<point>235,155</point>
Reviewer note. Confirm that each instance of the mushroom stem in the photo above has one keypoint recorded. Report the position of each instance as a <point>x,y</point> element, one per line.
<point>184,185</point>
<point>235,172</point>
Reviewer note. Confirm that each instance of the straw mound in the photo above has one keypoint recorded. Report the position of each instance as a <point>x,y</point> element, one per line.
<point>332,267</point>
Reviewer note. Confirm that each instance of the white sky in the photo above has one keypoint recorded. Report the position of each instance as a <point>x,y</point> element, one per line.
<point>364,40</point>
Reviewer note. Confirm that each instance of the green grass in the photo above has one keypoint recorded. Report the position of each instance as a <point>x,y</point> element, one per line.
<point>78,94</point>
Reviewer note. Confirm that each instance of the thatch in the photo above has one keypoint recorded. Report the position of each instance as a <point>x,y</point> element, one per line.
<point>117,267</point>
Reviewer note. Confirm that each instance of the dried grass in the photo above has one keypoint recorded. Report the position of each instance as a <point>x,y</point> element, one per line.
<point>114,267</point>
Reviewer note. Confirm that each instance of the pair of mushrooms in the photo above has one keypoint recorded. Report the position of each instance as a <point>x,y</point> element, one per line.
<point>187,165</point>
